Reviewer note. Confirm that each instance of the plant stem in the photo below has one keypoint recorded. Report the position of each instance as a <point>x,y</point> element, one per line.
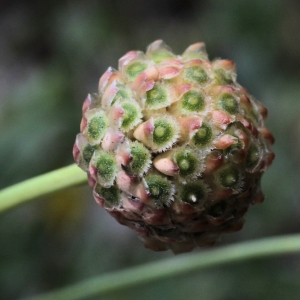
<point>175,266</point>
<point>41,185</point>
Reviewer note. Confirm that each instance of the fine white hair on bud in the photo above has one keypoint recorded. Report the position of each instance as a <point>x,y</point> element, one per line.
<point>174,147</point>
<point>96,125</point>
<point>103,167</point>
<point>140,158</point>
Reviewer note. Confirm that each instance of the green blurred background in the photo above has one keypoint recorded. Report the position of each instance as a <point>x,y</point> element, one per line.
<point>52,54</point>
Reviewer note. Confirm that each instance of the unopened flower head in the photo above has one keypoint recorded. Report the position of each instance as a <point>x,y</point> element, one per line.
<point>174,147</point>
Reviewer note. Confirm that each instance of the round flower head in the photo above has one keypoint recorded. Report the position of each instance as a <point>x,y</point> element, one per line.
<point>174,147</point>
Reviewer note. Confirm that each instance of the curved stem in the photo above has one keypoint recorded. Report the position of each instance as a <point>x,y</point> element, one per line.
<point>40,185</point>
<point>175,266</point>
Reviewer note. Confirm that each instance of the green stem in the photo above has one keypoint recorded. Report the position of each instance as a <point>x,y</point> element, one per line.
<point>175,266</point>
<point>40,185</point>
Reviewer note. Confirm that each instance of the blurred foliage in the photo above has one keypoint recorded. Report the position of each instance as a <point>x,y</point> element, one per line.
<point>52,54</point>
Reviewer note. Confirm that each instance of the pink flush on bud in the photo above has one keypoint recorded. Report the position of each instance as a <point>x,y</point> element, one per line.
<point>213,162</point>
<point>99,200</point>
<point>179,90</point>
<point>168,72</point>
<point>105,78</point>
<point>195,48</point>
<point>109,95</point>
<point>249,126</point>
<point>220,118</point>
<point>145,81</point>
<point>225,64</point>
<point>91,181</point>
<point>166,166</point>
<point>216,91</point>
<point>129,56</point>
<point>93,172</point>
<point>198,63</point>
<point>189,125</point>
<point>112,139</point>
<point>131,186</point>
<point>76,153</point>
<point>266,133</point>
<point>144,131</point>
<point>225,141</point>
<point>228,89</point>
<point>124,156</point>
<point>133,205</point>
<point>141,192</point>
<point>156,46</point>
<point>83,124</point>
<point>243,138</point>
<point>124,181</point>
<point>116,114</point>
<point>172,63</point>
<point>87,103</point>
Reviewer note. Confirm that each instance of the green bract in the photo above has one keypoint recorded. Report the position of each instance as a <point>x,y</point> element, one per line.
<point>110,195</point>
<point>161,190</point>
<point>188,162</point>
<point>228,177</point>
<point>141,158</point>
<point>193,193</point>
<point>157,97</point>
<point>97,123</point>
<point>106,167</point>
<point>203,136</point>
<point>88,152</point>
<point>193,101</point>
<point>132,115</point>
<point>195,75</point>
<point>134,69</point>
<point>229,103</point>
<point>164,134</point>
